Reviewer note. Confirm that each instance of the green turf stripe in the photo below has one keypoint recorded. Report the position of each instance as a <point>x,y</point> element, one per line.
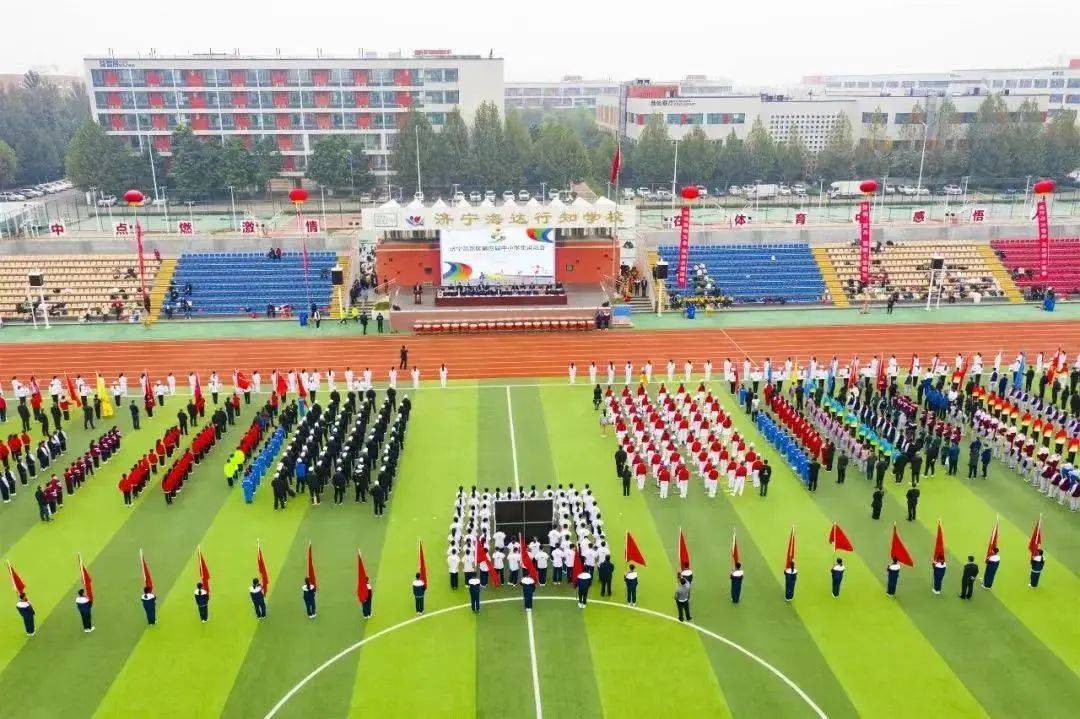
<point>441,454</point>
<point>846,638</point>
<point>45,554</point>
<point>503,675</point>
<point>206,655</point>
<point>582,455</point>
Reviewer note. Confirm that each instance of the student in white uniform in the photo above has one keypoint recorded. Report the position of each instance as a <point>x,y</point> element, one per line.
<point>415,372</point>
<point>442,375</point>
<point>592,373</point>
<point>392,377</point>
<point>571,371</point>
<point>670,371</point>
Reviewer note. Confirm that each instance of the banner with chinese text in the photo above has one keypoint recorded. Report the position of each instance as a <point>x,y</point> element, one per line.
<point>684,246</point>
<point>1044,238</point>
<point>864,242</point>
<point>500,254</point>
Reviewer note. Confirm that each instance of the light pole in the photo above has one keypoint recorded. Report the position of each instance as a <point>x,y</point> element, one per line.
<point>191,214</point>
<point>543,192</point>
<point>922,159</point>
<point>232,207</point>
<point>134,198</point>
<point>97,210</point>
<point>165,207</point>
<point>674,175</point>
<point>322,206</point>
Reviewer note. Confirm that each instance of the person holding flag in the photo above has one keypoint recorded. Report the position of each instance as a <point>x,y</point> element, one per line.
<point>258,598</point>
<point>84,604</point>
<point>993,559</point>
<point>791,574</point>
<point>939,565</point>
<point>106,403</point>
<point>474,593</point>
<point>22,605</point>
<point>364,592</point>
<point>528,588</point>
<point>737,571</point>
<point>202,589</point>
<point>840,543</point>
<point>418,590</point>
<point>899,555</point>
<point>1038,559</point>
<point>684,560</point>
<point>631,581</point>
<point>148,598</point>
<point>310,586</point>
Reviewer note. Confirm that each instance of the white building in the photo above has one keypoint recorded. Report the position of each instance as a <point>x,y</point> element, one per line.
<point>565,94</point>
<point>294,100</point>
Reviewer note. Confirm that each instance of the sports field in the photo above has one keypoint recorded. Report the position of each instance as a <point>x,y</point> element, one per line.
<point>1012,651</point>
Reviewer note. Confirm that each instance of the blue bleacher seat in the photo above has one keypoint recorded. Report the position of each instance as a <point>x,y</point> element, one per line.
<point>752,272</point>
<point>225,283</point>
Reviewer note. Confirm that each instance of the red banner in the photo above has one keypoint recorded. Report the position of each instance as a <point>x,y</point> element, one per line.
<point>684,245</point>
<point>864,242</point>
<point>1044,238</point>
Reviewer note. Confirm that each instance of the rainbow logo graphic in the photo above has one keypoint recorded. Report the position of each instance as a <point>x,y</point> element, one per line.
<point>541,234</point>
<point>457,272</point>
<point>414,221</point>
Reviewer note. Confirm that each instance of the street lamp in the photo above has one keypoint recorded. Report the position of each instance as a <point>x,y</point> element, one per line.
<point>191,213</point>
<point>922,159</point>
<point>134,198</point>
<point>97,210</point>
<point>232,207</point>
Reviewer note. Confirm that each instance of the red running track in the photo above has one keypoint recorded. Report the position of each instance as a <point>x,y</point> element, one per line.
<point>540,354</point>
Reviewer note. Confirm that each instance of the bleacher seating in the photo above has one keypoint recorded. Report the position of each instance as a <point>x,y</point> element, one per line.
<point>237,283</point>
<point>905,268</point>
<point>1021,258</point>
<point>75,285</point>
<point>752,273</point>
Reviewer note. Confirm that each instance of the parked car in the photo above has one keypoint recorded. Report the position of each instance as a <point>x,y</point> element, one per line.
<point>890,189</point>
<point>734,190</point>
<point>523,195</point>
<point>489,195</point>
<point>784,190</point>
<point>628,193</point>
<point>644,192</point>
<point>951,190</point>
<point>1011,191</point>
<point>799,188</point>
<point>418,196</point>
<point>662,195</point>
<point>160,202</point>
<point>365,197</point>
<point>30,192</point>
<point>11,197</point>
<point>106,201</point>
<point>702,191</point>
<point>508,196</point>
<point>554,194</point>
<point>458,196</point>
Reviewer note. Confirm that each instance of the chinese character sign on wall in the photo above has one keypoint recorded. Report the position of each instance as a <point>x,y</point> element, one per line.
<point>311,226</point>
<point>57,229</point>
<point>122,229</point>
<point>919,215</point>
<point>185,227</point>
<point>800,218</point>
<point>248,227</point>
<point>978,214</point>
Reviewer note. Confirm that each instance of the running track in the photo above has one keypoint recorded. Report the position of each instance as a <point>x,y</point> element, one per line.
<point>540,354</point>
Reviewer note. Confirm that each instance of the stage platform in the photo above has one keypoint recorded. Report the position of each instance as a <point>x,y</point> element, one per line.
<point>582,300</point>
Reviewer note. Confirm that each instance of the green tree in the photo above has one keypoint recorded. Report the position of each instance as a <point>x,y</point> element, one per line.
<point>9,164</point>
<point>559,156</point>
<point>236,165</point>
<point>329,162</point>
<point>450,156</point>
<point>990,152</point>
<point>403,161</point>
<point>871,155</point>
<point>1026,141</point>
<point>38,120</point>
<point>906,152</point>
<point>697,158</point>
<point>265,162</point>
<point>793,157</point>
<point>836,160</point>
<point>762,152</point>
<point>1062,145</point>
<point>518,150</point>
<point>654,154</point>
<point>94,159</point>
<point>600,163</point>
<point>733,165</point>
<point>487,145</point>
<point>196,168</point>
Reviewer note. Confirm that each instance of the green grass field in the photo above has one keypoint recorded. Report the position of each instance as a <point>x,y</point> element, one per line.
<point>1013,651</point>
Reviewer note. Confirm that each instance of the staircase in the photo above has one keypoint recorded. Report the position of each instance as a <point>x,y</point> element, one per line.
<point>657,285</point>
<point>342,292</point>
<point>829,276</point>
<point>1000,273</point>
<point>161,286</point>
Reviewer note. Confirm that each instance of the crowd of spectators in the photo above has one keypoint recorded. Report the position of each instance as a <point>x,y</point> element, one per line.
<point>525,289</point>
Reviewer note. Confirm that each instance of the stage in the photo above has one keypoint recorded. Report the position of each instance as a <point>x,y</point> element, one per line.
<point>581,301</point>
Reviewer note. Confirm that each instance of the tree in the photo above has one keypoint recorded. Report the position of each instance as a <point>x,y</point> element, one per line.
<point>518,149</point>
<point>415,133</point>
<point>329,162</point>
<point>265,162</point>
<point>9,164</point>
<point>1026,141</point>
<point>236,165</point>
<point>654,153</point>
<point>733,165</point>
<point>697,158</point>
<point>487,148</point>
<point>762,152</point>
<point>871,155</point>
<point>559,157</point>
<point>793,157</point>
<point>600,162</point>
<point>451,154</point>
<point>1062,154</point>
<point>196,168</point>
<point>38,120</point>
<point>836,159</point>
<point>987,140</point>
<point>94,159</point>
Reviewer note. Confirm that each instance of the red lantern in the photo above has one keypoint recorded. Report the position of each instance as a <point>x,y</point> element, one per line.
<point>1044,187</point>
<point>133,197</point>
<point>298,195</point>
<point>690,192</point>
<point>868,187</point>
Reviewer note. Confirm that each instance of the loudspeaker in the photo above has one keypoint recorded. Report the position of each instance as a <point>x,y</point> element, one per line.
<point>660,271</point>
<point>35,279</point>
<point>937,263</point>
<point>337,277</point>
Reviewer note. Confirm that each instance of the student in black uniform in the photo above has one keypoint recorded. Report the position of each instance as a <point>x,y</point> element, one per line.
<point>84,605</point>
<point>625,477</point>
<point>26,611</point>
<point>736,583</point>
<point>528,588</point>
<point>967,579</point>
<point>258,599</point>
<point>474,594</point>
<point>604,571</point>
<point>202,602</point>
<point>631,580</point>
<point>584,580</point>
<point>149,605</point>
<point>1038,563</point>
<point>308,592</point>
<point>912,501</point>
<point>837,573</point>
<point>418,590</point>
<point>875,504</point>
<point>892,577</point>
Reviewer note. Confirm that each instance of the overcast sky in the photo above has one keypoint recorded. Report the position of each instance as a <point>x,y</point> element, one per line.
<point>753,43</point>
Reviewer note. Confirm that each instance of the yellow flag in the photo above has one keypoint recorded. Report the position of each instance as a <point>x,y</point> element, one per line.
<point>103,395</point>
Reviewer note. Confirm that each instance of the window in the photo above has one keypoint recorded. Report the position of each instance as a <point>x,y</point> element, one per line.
<point>997,83</point>
<point>437,118</point>
<point>1072,99</point>
<point>1024,84</point>
<point>435,98</point>
<point>868,118</point>
<point>451,97</point>
<point>1055,97</point>
<point>892,83</point>
<point>1040,83</point>
<point>1057,82</point>
<point>907,83</point>
<point>1010,84</point>
<point>1074,82</point>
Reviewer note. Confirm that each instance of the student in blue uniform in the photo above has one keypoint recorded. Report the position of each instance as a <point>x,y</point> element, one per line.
<point>736,583</point>
<point>939,574</point>
<point>418,590</point>
<point>791,574</point>
<point>584,579</point>
<point>84,605</point>
<point>631,580</point>
<point>474,594</point>
<point>528,588</point>
<point>992,564</point>
<point>26,611</point>
<point>1038,562</point>
<point>307,591</point>
<point>149,605</point>
<point>202,602</point>
<point>837,573</point>
<point>892,577</point>
<point>365,606</point>
<point>258,598</point>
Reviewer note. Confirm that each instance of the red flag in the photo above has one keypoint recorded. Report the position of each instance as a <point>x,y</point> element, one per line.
<point>300,385</point>
<point>1035,543</point>
<point>197,393</point>
<point>526,562</point>
<point>311,568</point>
<point>147,580</point>
<point>899,551</point>
<point>16,580</point>
<point>579,567</point>
<point>204,572</point>
<point>992,546</point>
<point>242,382</point>
<point>734,549</point>
<point>423,564</point>
<point>87,582</point>
<point>939,544</point>
<point>72,394</point>
<point>839,540</point>
<point>282,387</point>
<point>264,576</point>
<point>853,377</point>
<point>684,553</point>
<point>148,393</point>
<point>881,381</point>
<point>362,590</point>
<point>632,553</point>
<point>616,163</point>
<point>790,561</point>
